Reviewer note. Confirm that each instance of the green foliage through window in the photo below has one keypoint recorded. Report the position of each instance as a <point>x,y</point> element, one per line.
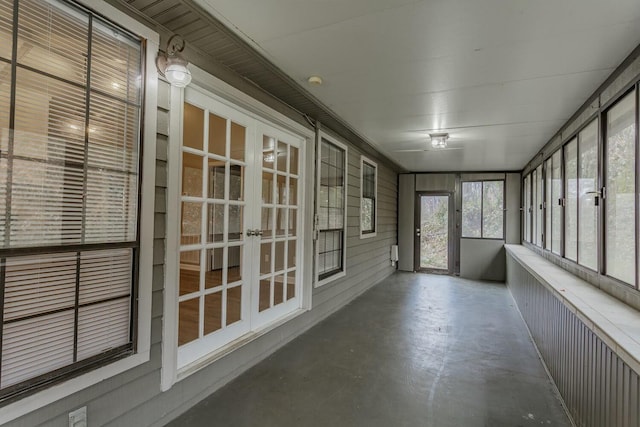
<point>483,209</point>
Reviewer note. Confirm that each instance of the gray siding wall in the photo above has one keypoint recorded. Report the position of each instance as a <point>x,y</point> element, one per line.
<point>598,388</point>
<point>134,397</point>
<point>406,194</point>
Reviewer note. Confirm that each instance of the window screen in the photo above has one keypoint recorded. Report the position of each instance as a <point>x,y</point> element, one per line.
<point>69,177</point>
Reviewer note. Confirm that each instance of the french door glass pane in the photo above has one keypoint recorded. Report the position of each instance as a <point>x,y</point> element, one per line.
<point>620,186</point>
<point>571,204</point>
<point>238,141</point>
<point>234,304</point>
<point>278,214</point>
<point>212,224</point>
<point>193,124</point>
<point>556,207</point>
<point>189,272</point>
<point>587,185</point>
<point>217,135</point>
<point>189,321</point>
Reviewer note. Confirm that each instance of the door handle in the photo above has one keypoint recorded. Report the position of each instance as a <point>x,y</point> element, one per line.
<point>256,232</point>
<point>417,232</point>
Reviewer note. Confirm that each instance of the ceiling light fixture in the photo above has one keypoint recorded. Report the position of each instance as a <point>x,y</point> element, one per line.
<point>315,80</point>
<point>172,65</point>
<point>439,140</point>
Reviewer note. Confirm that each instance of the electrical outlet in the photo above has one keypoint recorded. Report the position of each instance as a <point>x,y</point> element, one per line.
<point>78,418</point>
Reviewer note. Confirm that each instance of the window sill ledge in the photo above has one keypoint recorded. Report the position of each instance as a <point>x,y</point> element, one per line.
<point>614,322</point>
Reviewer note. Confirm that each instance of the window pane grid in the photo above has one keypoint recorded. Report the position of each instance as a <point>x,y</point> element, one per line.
<point>212,223</point>
<point>70,171</point>
<point>331,209</point>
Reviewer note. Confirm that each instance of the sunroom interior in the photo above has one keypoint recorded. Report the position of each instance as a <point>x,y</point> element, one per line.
<point>163,237</point>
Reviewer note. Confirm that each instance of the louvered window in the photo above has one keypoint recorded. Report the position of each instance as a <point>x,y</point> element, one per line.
<point>70,97</point>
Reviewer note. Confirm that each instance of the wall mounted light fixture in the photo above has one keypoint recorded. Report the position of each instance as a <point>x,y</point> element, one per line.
<point>172,65</point>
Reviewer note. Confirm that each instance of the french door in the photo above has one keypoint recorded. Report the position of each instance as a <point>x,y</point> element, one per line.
<point>239,219</point>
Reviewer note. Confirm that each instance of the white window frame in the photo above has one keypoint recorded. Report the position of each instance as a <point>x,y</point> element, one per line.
<point>343,272</point>
<point>364,159</point>
<point>171,373</point>
<point>73,385</point>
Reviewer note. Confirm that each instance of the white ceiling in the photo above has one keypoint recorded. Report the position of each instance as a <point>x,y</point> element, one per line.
<point>500,76</point>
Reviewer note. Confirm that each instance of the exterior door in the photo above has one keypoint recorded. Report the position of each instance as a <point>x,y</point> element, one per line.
<point>433,244</point>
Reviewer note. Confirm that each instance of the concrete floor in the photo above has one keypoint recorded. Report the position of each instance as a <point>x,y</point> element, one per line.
<point>416,350</point>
